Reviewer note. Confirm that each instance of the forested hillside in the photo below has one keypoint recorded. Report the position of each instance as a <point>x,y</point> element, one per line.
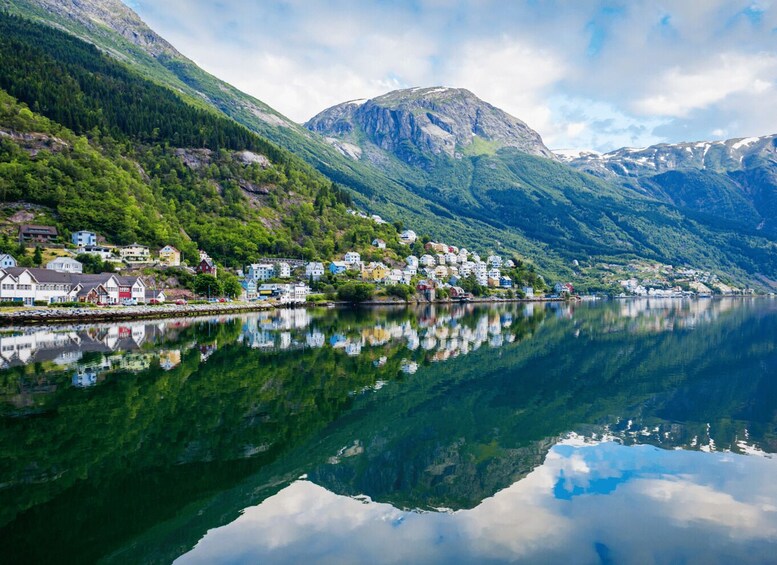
<point>110,151</point>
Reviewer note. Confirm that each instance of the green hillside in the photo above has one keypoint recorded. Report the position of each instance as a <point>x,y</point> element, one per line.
<point>107,150</point>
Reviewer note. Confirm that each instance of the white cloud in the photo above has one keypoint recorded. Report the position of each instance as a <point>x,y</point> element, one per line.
<point>678,92</point>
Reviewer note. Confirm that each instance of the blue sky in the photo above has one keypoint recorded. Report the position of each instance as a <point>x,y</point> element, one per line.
<point>585,74</point>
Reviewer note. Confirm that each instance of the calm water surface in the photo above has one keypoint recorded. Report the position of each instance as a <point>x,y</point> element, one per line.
<point>623,432</point>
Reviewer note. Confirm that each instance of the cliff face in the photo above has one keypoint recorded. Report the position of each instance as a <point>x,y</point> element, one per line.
<point>437,121</point>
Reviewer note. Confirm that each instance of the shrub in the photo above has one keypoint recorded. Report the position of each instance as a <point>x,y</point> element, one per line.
<point>355,292</point>
<point>40,303</point>
<point>10,303</point>
<point>402,291</point>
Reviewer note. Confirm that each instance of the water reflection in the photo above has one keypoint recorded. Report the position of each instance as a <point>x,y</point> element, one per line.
<point>128,442</point>
<point>589,502</point>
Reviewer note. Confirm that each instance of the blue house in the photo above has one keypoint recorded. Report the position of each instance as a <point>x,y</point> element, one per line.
<point>84,238</point>
<point>505,282</point>
<point>337,267</point>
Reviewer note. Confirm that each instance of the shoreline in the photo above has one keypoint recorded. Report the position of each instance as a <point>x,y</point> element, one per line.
<point>41,316</point>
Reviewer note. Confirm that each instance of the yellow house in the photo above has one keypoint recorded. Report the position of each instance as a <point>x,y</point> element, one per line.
<point>170,256</point>
<point>375,272</point>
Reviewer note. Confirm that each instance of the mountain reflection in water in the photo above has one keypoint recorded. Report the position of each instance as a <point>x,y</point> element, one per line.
<point>128,442</point>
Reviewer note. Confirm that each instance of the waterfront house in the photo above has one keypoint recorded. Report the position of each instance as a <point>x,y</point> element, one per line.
<point>65,265</point>
<point>314,270</point>
<point>154,295</point>
<point>528,292</point>
<point>505,282</point>
<point>7,261</point>
<point>170,256</point>
<point>83,238</point>
<point>37,234</point>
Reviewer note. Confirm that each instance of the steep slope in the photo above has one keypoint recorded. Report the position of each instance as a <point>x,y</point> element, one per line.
<point>486,194</point>
<point>128,158</point>
<point>734,179</point>
<point>471,160</point>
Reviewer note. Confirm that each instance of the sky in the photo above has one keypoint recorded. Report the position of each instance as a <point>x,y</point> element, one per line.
<point>584,74</point>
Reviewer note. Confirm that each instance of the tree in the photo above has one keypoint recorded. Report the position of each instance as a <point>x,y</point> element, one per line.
<point>207,285</point>
<point>230,285</point>
<point>355,292</point>
<point>402,291</point>
<point>37,257</point>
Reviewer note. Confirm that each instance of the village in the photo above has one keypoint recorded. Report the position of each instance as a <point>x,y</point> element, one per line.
<point>430,271</point>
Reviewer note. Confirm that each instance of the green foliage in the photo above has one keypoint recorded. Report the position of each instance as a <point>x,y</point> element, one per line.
<point>207,285</point>
<point>355,291</point>
<point>37,256</point>
<point>230,285</point>
<point>402,291</point>
<point>93,264</point>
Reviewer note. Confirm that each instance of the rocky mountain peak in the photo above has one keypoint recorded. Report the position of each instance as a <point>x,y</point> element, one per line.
<point>112,14</point>
<point>437,120</point>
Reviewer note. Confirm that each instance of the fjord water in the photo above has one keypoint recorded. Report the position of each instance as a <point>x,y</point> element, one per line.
<point>626,432</point>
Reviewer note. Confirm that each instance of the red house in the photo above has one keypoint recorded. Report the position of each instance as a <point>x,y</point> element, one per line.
<point>207,266</point>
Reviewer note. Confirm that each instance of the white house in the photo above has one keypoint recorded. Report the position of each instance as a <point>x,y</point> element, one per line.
<point>451,258</point>
<point>408,237</point>
<point>314,270</point>
<point>441,258</point>
<point>509,263</point>
<point>28,285</point>
<point>284,270</point>
<point>65,265</point>
<point>495,261</point>
<point>6,261</point>
<point>135,253</point>
<point>84,238</point>
<point>352,258</point>
<point>379,243</point>
<point>261,271</point>
<point>101,251</point>
<point>412,261</point>
<point>528,291</point>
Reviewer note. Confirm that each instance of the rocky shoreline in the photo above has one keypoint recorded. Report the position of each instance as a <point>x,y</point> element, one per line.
<point>35,316</point>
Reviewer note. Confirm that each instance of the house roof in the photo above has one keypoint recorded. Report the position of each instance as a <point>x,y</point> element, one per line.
<point>41,230</point>
<point>42,275</point>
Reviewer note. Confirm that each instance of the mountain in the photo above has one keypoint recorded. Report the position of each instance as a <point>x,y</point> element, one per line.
<point>735,179</point>
<point>415,121</point>
<point>92,145</point>
<point>411,157</point>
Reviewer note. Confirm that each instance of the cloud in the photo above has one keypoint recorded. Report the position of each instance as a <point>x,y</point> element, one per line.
<point>670,72</point>
<point>679,92</point>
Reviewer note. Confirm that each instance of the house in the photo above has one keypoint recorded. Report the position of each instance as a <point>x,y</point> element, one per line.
<point>494,273</point>
<point>83,238</point>
<point>37,234</point>
<point>379,243</point>
<point>19,284</point>
<point>131,288</point>
<point>494,261</point>
<point>135,253</point>
<point>407,275</point>
<point>314,270</point>
<point>249,289</point>
<point>338,267</point>
<point>457,292</point>
<point>505,282</point>
<point>441,258</point>
<point>441,271</point>
<point>155,296</point>
<point>408,237</point>
<point>352,258</point>
<point>284,270</point>
<point>207,266</point>
<point>509,264</point>
<point>261,271</point>
<point>428,261</point>
<point>451,258</point>
<point>375,272</point>
<point>528,291</point>
<point>104,253</point>
<point>170,256</point>
<point>65,265</point>
<point>7,261</point>
<point>563,288</point>
<point>377,219</point>
<point>412,261</point>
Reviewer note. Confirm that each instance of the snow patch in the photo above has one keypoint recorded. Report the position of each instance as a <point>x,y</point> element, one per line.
<point>745,142</point>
